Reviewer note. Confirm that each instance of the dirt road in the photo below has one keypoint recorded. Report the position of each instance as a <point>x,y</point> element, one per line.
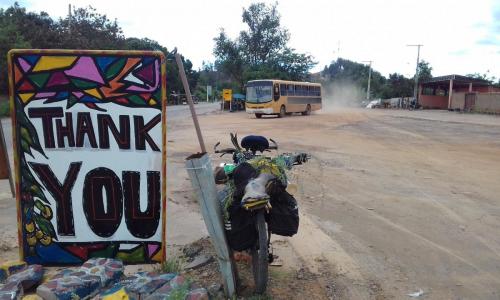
<point>394,201</point>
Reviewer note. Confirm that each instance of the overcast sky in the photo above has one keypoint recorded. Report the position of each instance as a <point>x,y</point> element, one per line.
<point>459,37</point>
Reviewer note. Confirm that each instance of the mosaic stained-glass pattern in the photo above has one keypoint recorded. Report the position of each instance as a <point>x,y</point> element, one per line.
<point>93,79</point>
<point>89,80</point>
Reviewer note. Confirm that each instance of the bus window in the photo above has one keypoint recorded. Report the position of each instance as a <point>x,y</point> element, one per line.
<point>276,92</point>
<point>290,90</point>
<point>283,89</point>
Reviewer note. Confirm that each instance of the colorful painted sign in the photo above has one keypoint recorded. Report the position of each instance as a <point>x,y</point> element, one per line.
<point>89,135</point>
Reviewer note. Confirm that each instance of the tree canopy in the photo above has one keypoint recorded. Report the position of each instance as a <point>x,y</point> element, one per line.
<point>261,51</point>
<point>424,71</point>
<point>87,29</point>
<point>344,72</point>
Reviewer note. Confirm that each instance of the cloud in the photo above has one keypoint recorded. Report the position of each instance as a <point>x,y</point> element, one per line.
<point>489,41</point>
<point>491,37</point>
<point>459,52</point>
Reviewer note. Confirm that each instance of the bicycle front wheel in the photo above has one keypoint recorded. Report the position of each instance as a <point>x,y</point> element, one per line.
<point>260,258</point>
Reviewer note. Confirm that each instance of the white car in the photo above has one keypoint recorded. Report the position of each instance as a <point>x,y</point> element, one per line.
<point>374,104</point>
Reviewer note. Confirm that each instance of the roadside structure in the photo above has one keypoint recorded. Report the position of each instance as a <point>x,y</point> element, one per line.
<point>456,92</point>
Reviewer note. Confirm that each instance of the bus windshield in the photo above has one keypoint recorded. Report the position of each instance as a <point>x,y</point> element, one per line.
<point>259,92</point>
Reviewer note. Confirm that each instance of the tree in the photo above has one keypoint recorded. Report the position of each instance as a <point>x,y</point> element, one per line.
<point>265,37</point>
<point>143,44</point>
<point>424,71</point>
<point>88,29</point>
<point>39,29</point>
<point>261,51</point>
<point>343,72</point>
<point>10,38</point>
<point>485,76</point>
<point>399,86</point>
<point>229,57</point>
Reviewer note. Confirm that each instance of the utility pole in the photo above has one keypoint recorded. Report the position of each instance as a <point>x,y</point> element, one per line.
<point>415,88</point>
<point>369,78</point>
<point>69,19</point>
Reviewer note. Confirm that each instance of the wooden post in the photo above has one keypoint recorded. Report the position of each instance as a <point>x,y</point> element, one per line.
<point>5,171</point>
<point>199,168</point>
<point>185,83</point>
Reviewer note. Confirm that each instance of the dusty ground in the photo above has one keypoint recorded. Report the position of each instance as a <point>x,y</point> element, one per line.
<point>392,201</point>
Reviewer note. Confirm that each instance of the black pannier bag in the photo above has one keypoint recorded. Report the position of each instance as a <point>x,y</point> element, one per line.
<point>240,229</point>
<point>241,232</point>
<point>283,219</point>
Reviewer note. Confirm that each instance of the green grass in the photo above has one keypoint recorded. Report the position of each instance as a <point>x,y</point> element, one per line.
<point>172,265</point>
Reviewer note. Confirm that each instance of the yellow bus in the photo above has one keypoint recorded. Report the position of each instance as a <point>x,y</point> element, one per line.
<point>281,97</point>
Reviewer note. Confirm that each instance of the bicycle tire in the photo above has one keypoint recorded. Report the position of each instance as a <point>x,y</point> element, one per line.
<point>260,258</point>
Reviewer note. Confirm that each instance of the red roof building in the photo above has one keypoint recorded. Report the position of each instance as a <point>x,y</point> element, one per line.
<point>437,92</point>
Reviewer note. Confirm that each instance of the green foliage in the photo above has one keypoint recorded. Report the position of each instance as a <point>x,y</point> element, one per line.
<point>261,51</point>
<point>399,86</point>
<point>343,72</point>
<point>485,76</point>
<point>264,37</point>
<point>346,72</point>
<point>172,265</point>
<point>424,71</point>
<point>87,29</point>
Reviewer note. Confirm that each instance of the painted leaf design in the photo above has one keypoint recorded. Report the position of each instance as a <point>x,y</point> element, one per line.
<point>39,205</point>
<point>31,131</point>
<point>45,226</point>
<point>25,135</point>
<point>26,148</point>
<point>35,189</point>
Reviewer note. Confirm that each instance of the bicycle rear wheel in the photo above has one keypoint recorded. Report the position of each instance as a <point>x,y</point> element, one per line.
<point>260,258</point>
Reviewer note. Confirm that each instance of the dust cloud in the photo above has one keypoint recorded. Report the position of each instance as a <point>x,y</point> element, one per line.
<point>341,94</point>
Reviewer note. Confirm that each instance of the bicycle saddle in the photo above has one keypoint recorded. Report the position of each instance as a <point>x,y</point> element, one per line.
<point>255,143</point>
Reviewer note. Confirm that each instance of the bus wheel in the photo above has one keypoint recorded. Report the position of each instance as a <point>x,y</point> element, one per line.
<point>308,110</point>
<point>282,112</point>
<point>258,116</point>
